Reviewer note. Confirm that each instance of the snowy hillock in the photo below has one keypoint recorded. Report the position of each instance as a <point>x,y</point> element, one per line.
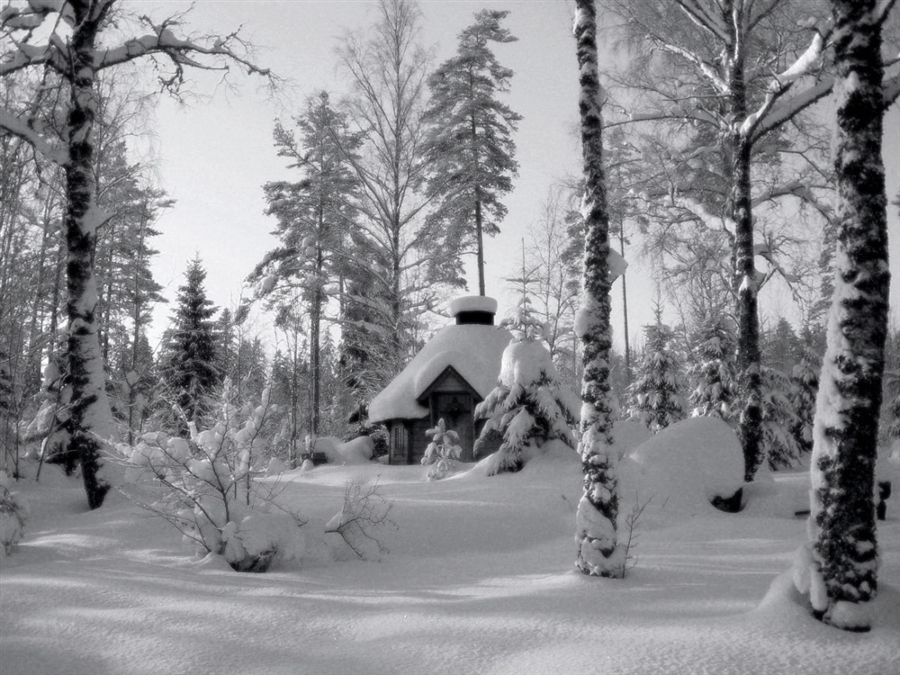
<point>357,451</point>
<point>473,565</point>
<point>684,467</point>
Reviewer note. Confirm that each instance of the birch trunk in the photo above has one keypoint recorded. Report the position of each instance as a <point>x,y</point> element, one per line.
<point>595,536</point>
<point>91,420</point>
<point>843,546</point>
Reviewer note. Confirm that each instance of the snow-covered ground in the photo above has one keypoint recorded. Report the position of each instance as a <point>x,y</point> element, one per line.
<point>479,578</point>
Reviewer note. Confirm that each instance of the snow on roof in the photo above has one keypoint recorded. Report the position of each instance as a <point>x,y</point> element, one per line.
<point>474,351</point>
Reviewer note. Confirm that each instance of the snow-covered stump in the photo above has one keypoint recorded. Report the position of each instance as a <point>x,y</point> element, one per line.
<point>838,567</point>
<point>595,534</point>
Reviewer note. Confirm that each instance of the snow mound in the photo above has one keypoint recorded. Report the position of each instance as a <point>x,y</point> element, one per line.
<point>627,435</point>
<point>357,451</point>
<point>684,466</point>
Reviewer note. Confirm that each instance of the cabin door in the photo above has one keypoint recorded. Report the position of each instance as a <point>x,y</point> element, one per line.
<point>456,411</point>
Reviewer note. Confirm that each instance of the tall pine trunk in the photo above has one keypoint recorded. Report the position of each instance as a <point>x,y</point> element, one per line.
<point>843,544</point>
<point>90,421</point>
<point>595,535</point>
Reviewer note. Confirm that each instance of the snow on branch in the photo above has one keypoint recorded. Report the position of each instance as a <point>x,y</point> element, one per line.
<point>182,52</point>
<point>17,127</point>
<point>801,191</point>
<point>782,82</point>
<point>777,115</point>
<point>706,68</point>
<point>881,11</point>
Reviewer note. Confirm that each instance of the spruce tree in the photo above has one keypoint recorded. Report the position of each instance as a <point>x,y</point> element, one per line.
<point>470,147</point>
<point>529,406</point>
<point>656,399</point>
<point>713,377</point>
<point>188,365</point>
<point>780,447</point>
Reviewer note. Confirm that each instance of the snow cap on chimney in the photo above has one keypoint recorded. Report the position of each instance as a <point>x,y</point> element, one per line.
<point>474,309</point>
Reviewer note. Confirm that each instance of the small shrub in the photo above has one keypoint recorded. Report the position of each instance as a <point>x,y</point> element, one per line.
<point>442,451</point>
<point>365,511</point>
<point>210,495</point>
<point>13,515</point>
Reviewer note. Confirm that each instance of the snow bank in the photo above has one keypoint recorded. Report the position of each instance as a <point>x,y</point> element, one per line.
<point>357,451</point>
<point>684,466</point>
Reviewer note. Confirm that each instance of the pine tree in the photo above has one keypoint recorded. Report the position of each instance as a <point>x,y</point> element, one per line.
<point>841,562</point>
<point>656,399</point>
<point>713,377</point>
<point>469,145</point>
<point>188,364</point>
<point>528,407</point>
<point>314,215</point>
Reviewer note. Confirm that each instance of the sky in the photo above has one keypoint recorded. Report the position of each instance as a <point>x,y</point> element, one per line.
<point>213,156</point>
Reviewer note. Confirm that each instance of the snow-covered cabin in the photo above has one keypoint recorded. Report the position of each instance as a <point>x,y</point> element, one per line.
<point>452,374</point>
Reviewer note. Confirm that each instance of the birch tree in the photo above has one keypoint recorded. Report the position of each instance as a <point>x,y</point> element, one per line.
<point>595,527</point>
<point>839,569</point>
<point>76,50</point>
<point>743,73</point>
<point>387,70</point>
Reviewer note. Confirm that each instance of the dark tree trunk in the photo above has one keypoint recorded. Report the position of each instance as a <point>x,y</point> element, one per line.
<point>90,415</point>
<point>842,527</point>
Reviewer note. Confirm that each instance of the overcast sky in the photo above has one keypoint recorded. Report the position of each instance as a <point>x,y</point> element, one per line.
<point>213,157</point>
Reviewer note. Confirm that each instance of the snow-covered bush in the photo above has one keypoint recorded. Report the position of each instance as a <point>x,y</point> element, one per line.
<point>210,495</point>
<point>528,406</point>
<point>13,514</point>
<point>656,395</point>
<point>363,514</point>
<point>442,451</point>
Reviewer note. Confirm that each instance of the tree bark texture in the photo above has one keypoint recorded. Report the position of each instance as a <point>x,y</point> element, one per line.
<point>90,415</point>
<point>595,535</point>
<point>842,519</point>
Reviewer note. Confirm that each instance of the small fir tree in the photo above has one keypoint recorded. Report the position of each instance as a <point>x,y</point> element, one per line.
<point>656,399</point>
<point>780,447</point>
<point>715,384</point>
<point>528,406</point>
<point>442,451</point>
<point>188,365</point>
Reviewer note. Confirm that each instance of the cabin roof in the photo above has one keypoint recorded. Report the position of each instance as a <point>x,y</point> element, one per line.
<point>473,351</point>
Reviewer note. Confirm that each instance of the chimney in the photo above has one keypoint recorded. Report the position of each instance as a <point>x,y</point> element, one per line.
<point>475,310</point>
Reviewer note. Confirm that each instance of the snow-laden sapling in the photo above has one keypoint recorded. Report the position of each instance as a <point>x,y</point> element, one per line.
<point>364,513</point>
<point>210,495</point>
<point>13,514</point>
<point>528,406</point>
<point>442,451</point>
<point>655,395</point>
